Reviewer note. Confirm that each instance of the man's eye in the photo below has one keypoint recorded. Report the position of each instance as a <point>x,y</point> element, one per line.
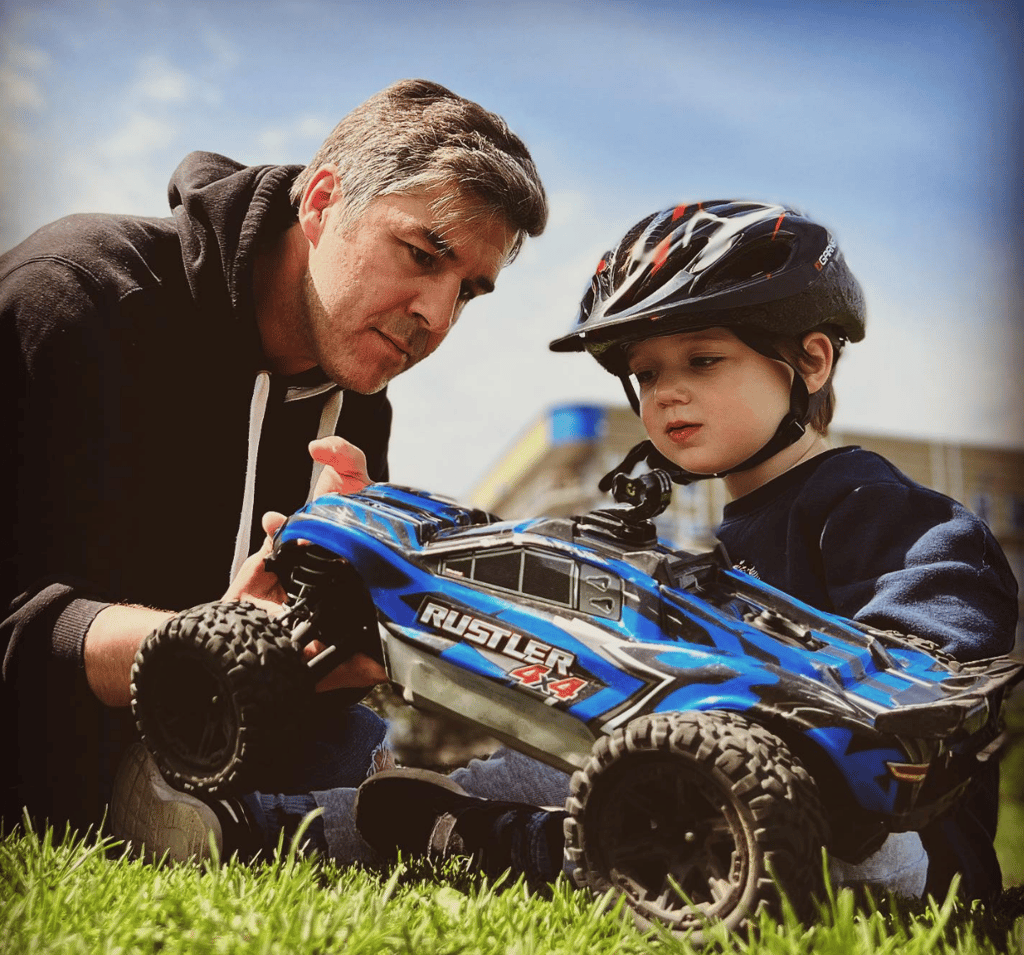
<point>421,256</point>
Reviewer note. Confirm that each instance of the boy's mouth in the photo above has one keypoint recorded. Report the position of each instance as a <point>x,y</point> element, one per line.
<point>681,431</point>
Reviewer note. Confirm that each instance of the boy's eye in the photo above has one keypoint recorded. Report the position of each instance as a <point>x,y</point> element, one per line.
<point>643,377</point>
<point>704,361</point>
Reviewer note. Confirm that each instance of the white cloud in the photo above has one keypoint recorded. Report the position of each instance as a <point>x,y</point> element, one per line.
<point>293,139</point>
<point>23,56</point>
<point>22,98</point>
<point>163,84</point>
<point>139,135</point>
<point>21,71</point>
<point>19,91</point>
<point>225,53</point>
<point>161,81</point>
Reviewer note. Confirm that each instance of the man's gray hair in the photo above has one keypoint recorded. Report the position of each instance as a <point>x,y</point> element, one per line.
<point>416,135</point>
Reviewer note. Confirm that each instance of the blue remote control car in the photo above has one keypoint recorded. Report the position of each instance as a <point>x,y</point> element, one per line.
<point>720,732</point>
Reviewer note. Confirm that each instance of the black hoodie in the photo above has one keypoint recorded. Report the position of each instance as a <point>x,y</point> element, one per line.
<point>130,355</point>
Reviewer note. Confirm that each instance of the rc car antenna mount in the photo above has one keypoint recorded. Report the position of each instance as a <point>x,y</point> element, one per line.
<point>639,499</point>
<point>647,495</point>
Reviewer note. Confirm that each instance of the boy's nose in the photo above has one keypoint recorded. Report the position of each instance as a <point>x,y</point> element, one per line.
<point>672,391</point>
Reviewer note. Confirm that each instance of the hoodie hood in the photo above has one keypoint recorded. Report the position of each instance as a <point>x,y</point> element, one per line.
<point>224,212</point>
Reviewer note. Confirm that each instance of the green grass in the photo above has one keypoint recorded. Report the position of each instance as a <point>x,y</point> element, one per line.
<point>77,895</point>
<point>1010,835</point>
<point>83,895</point>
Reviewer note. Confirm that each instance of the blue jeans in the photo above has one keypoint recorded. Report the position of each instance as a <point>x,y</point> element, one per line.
<point>533,844</point>
<point>344,747</point>
<point>349,745</point>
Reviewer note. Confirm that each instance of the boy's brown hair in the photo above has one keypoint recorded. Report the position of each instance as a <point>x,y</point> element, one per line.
<point>824,400</point>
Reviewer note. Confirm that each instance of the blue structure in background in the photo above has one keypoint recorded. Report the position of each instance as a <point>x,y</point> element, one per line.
<point>576,423</point>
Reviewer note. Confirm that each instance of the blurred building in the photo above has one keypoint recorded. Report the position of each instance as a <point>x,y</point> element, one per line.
<point>554,466</point>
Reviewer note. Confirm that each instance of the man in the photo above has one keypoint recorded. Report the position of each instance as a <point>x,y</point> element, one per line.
<point>166,374</point>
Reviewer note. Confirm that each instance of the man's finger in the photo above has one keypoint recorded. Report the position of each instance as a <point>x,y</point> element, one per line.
<point>271,522</point>
<point>344,466</point>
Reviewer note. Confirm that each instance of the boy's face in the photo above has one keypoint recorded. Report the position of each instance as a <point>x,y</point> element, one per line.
<point>708,401</point>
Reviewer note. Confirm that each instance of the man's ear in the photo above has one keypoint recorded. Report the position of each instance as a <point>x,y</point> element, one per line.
<point>322,191</point>
<point>817,360</point>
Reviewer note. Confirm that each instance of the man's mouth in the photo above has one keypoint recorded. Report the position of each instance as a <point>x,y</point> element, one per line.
<point>398,344</point>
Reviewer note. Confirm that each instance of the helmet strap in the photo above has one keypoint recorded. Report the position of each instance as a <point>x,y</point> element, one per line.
<point>631,395</point>
<point>791,429</point>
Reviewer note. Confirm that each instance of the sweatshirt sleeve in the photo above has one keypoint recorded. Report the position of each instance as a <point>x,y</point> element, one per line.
<point>909,559</point>
<point>45,604</point>
<point>55,610</point>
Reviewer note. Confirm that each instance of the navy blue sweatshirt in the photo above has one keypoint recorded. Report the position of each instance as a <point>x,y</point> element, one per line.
<point>849,533</point>
<point>129,352</point>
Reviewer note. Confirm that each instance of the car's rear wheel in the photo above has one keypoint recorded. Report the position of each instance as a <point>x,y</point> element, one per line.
<point>215,693</point>
<point>690,815</point>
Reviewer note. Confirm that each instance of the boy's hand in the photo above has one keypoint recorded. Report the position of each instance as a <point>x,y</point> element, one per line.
<point>344,464</point>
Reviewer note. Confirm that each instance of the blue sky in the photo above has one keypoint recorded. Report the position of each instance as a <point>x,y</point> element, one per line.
<point>893,122</point>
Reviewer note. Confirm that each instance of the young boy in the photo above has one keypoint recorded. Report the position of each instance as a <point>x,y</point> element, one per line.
<point>730,316</point>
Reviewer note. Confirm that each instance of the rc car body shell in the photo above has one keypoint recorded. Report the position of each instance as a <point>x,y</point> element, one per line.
<point>552,632</point>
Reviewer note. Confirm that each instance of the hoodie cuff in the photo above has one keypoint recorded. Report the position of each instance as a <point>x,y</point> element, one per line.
<point>69,631</point>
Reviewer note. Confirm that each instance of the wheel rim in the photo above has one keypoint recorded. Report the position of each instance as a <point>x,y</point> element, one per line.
<point>193,715</point>
<point>668,831</point>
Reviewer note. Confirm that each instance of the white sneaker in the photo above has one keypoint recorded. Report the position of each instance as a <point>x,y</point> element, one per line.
<point>157,819</point>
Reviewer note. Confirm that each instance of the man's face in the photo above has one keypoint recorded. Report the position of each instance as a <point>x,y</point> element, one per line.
<point>383,292</point>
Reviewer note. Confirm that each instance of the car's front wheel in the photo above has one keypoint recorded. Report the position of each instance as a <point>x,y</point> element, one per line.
<point>215,692</point>
<point>690,815</point>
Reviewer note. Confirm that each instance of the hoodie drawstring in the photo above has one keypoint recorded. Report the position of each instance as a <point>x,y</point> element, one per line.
<point>328,422</point>
<point>257,412</point>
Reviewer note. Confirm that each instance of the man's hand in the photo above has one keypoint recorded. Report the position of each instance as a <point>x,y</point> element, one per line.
<point>258,585</point>
<point>111,642</point>
<point>357,670</point>
<point>344,470</point>
<point>254,582</point>
<point>117,631</point>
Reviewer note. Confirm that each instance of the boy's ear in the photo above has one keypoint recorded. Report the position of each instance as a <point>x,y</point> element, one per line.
<point>817,360</point>
<point>322,191</point>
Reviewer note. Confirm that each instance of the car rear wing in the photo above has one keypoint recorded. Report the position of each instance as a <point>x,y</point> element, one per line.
<point>961,715</point>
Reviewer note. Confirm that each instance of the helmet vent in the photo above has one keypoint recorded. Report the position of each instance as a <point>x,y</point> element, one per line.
<point>724,262</point>
<point>645,282</point>
<point>693,251</point>
<point>758,262</point>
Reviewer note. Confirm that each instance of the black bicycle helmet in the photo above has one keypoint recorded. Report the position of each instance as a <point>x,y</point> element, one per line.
<point>755,268</point>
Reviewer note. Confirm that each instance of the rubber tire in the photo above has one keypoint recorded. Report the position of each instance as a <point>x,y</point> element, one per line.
<point>215,693</point>
<point>708,799</point>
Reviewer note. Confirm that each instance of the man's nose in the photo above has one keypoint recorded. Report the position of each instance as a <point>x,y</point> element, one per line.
<point>436,302</point>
